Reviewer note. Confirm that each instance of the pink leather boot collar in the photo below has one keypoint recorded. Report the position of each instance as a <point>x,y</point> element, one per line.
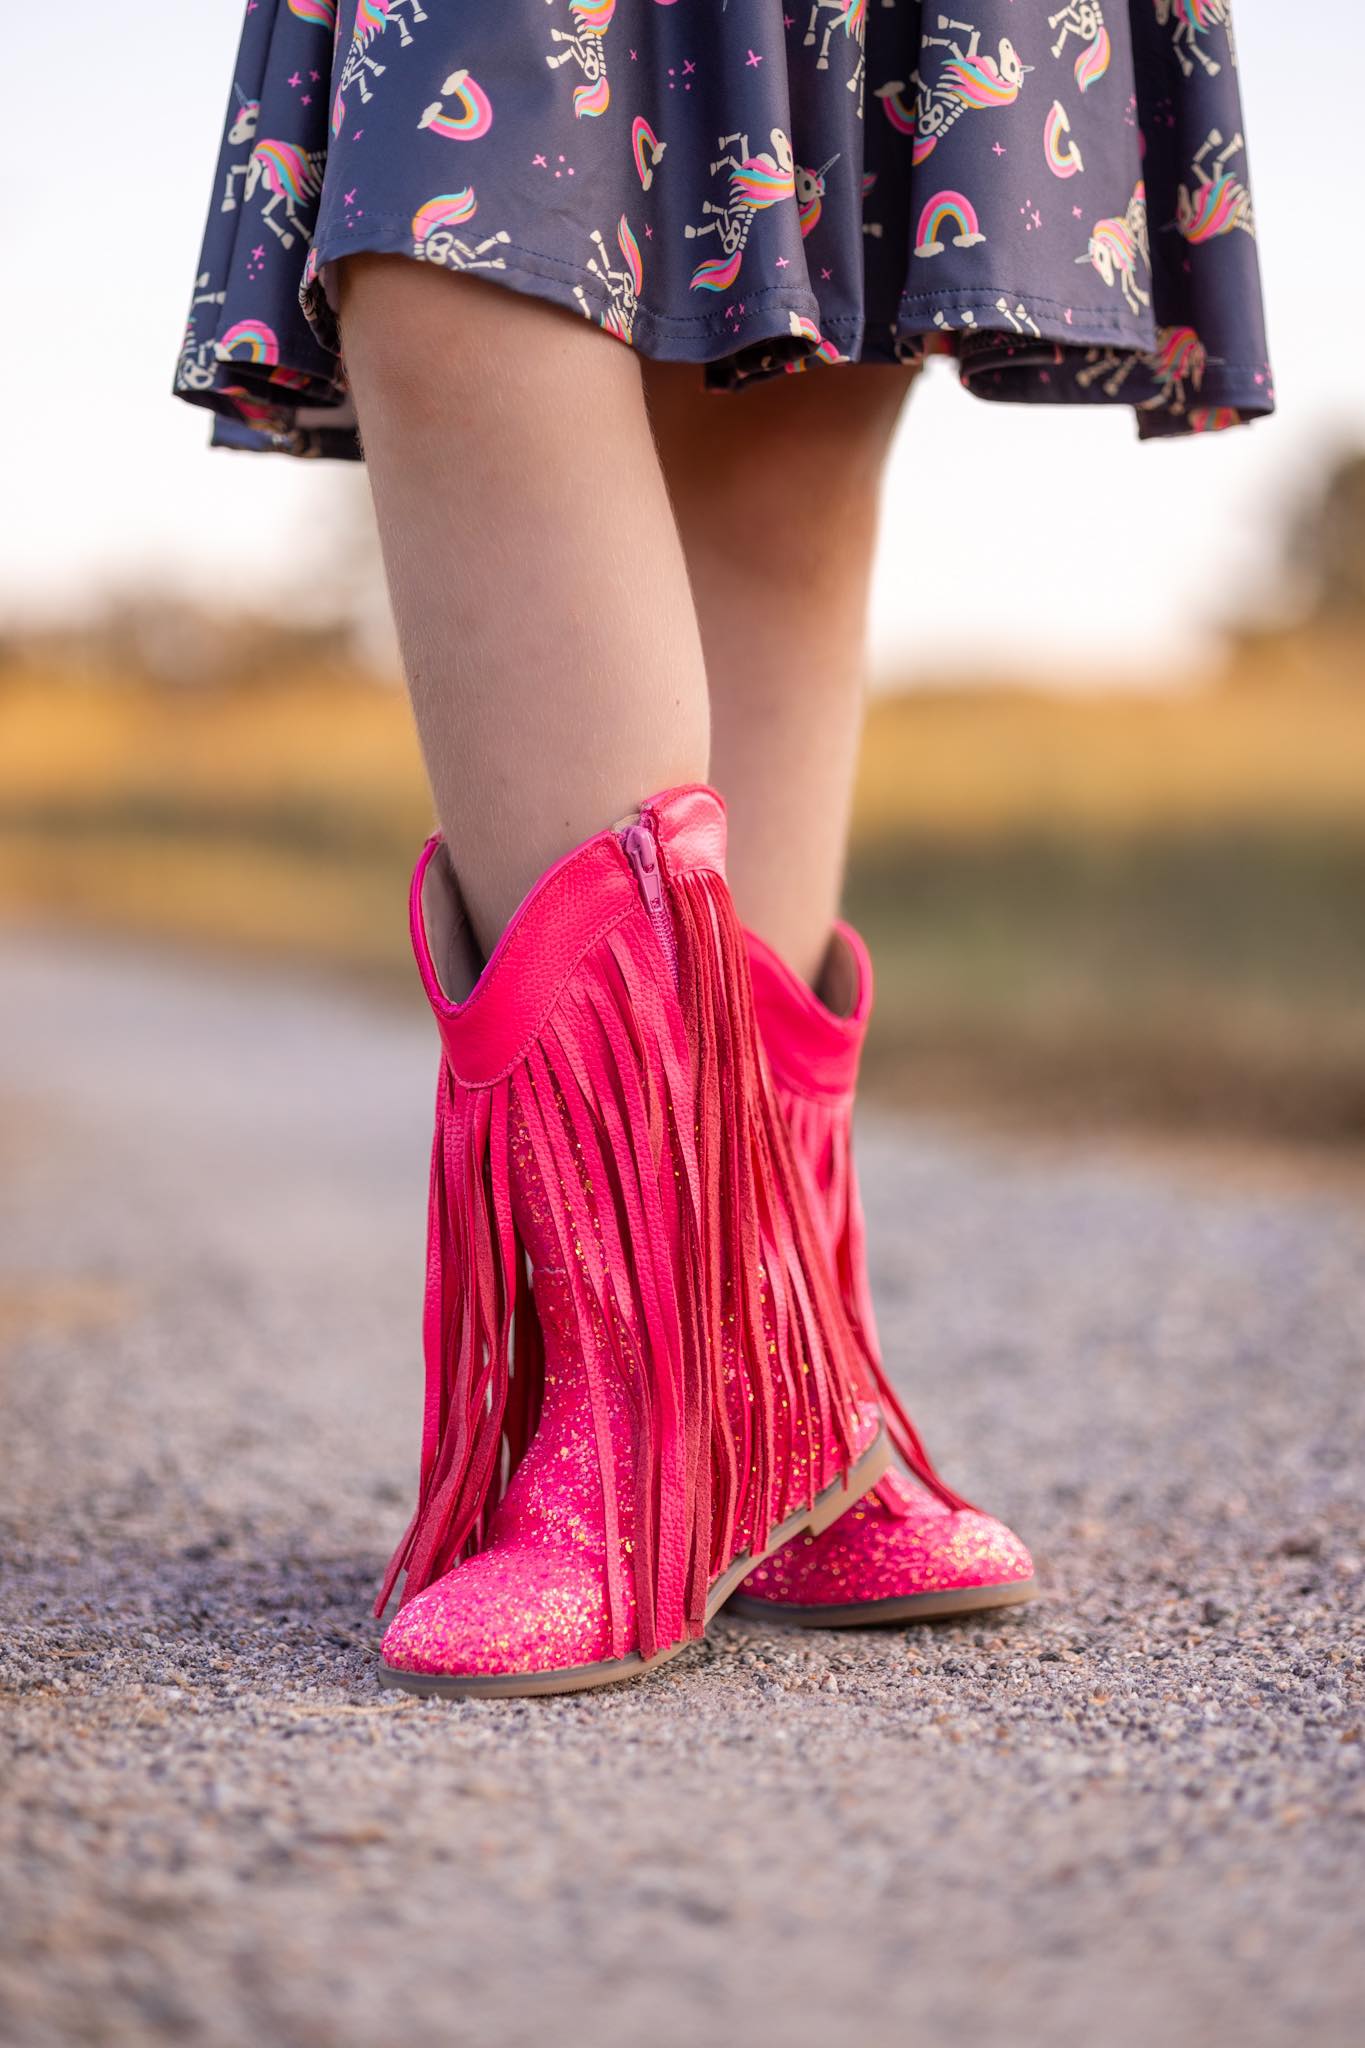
<point>812,1051</point>
<point>572,907</point>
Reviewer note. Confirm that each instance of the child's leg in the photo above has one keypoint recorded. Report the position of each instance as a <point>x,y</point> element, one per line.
<point>537,579</point>
<point>776,491</point>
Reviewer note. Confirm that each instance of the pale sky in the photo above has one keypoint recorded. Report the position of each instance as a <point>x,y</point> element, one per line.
<point>1093,550</point>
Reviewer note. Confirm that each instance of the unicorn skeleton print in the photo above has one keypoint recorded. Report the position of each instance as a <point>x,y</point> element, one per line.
<point>584,45</point>
<point>756,181</point>
<point>1055,195</point>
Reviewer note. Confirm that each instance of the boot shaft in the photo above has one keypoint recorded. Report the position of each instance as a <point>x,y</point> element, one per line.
<point>605,1122</point>
<point>814,1042</point>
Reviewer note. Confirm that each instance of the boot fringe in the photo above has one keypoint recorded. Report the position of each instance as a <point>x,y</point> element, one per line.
<point>822,1132</point>
<point>762,1267</point>
<point>643,1109</point>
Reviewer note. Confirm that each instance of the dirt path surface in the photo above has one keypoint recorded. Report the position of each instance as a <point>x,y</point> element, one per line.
<point>1132,1814</point>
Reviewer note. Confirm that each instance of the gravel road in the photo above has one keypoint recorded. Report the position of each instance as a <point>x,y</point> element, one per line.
<point>1134,1813</point>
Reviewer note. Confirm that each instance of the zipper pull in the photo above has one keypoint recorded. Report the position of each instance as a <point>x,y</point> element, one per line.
<point>643,854</point>
<point>642,851</point>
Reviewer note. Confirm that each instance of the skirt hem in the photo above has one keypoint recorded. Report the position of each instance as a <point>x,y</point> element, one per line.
<point>533,270</point>
<point>994,357</point>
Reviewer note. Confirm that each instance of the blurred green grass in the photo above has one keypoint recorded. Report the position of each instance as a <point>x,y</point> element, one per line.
<point>1208,981</point>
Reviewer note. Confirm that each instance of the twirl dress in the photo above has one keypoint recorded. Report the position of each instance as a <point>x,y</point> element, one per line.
<point>1056,194</point>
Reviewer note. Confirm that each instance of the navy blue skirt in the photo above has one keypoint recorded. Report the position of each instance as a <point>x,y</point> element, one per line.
<point>1056,194</point>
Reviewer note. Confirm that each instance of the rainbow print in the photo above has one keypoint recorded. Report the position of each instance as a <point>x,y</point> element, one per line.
<point>370,17</point>
<point>1215,209</point>
<point>646,149</point>
<point>591,100</point>
<point>809,210</point>
<point>947,209</point>
<point>1093,61</point>
<point>293,380</point>
<point>1062,153</point>
<point>979,82</point>
<point>474,115</point>
<point>901,116</point>
<point>256,342</point>
<point>322,13</point>
<point>719,274</point>
<point>447,210</point>
<point>806,330</point>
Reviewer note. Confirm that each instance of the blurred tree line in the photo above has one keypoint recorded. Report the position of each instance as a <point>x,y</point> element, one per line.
<point>1325,548</point>
<point>163,639</point>
<point>1316,630</point>
<point>171,639</point>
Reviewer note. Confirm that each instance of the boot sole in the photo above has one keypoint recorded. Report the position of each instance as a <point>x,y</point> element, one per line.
<point>511,1685</point>
<point>868,1613</point>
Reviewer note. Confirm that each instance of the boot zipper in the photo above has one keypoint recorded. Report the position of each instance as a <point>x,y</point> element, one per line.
<point>642,851</point>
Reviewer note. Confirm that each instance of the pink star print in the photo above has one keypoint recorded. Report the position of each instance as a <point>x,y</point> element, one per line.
<point>752,61</point>
<point>296,80</point>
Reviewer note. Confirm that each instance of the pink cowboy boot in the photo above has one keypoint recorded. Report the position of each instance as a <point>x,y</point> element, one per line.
<point>640,1378</point>
<point>908,1550</point>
